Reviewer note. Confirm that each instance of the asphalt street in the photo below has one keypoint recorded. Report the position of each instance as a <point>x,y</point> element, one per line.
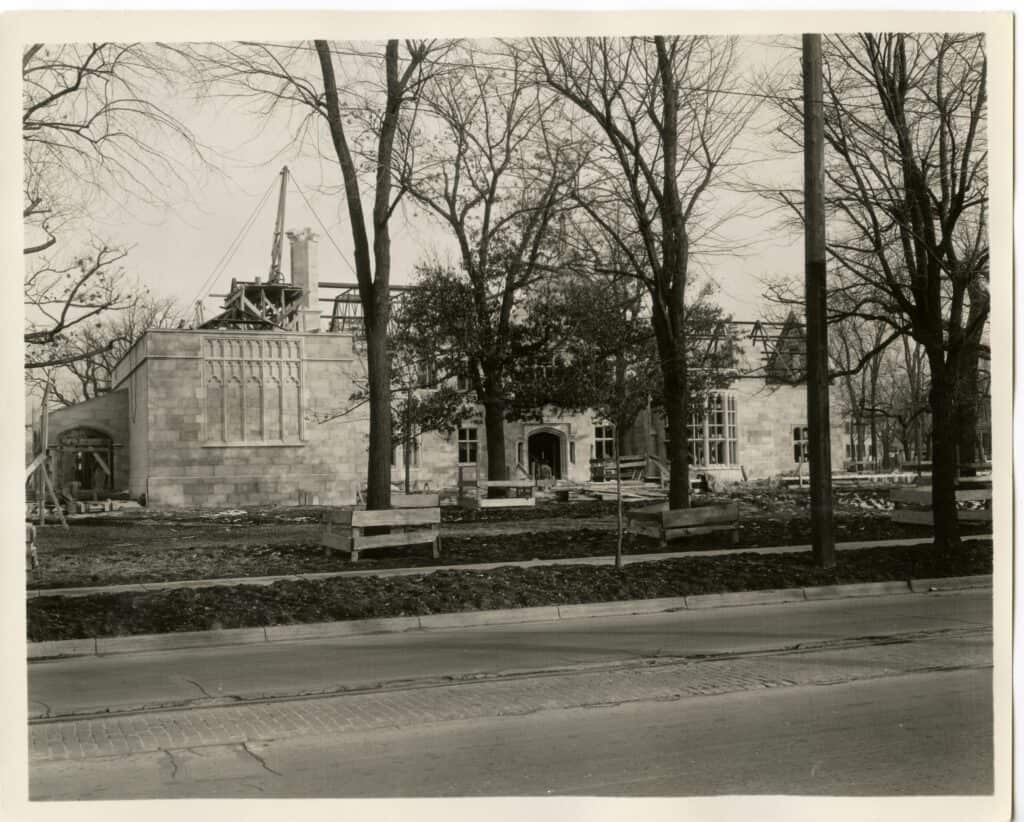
<point>912,734</point>
<point>883,696</point>
<point>200,676</point>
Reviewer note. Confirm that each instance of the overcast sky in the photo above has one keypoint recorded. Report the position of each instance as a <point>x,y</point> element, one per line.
<point>178,250</point>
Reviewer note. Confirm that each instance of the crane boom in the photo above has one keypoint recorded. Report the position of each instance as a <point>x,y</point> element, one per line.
<point>275,251</point>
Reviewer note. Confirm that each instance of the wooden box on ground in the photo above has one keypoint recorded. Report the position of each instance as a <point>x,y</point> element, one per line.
<point>664,525</point>
<point>473,492</point>
<point>347,530</point>
<point>919,500</point>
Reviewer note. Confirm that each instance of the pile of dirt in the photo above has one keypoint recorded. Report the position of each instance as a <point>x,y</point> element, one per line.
<point>305,601</point>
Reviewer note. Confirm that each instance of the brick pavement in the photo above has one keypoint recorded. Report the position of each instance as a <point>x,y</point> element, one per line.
<point>112,735</point>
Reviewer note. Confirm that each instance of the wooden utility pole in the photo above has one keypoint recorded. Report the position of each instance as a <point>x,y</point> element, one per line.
<point>818,434</point>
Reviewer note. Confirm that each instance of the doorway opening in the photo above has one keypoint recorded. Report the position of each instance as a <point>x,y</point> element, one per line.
<point>545,454</point>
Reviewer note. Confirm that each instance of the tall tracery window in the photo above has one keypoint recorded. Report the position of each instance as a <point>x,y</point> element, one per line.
<point>253,390</point>
<point>604,442</point>
<point>712,435</point>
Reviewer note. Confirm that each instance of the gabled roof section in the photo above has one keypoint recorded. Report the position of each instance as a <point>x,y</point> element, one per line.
<point>787,361</point>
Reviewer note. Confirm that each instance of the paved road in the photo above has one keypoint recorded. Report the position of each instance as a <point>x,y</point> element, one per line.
<point>902,734</point>
<point>118,682</point>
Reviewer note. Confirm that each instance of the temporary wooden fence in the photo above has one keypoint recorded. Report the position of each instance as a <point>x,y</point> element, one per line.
<point>413,519</point>
<point>660,523</point>
<point>473,491</point>
<point>919,500</point>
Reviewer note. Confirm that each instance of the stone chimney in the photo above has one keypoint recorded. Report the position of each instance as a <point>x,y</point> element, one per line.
<point>306,275</point>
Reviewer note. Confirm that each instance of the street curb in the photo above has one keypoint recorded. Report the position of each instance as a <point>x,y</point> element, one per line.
<point>771,597</point>
<point>102,646</point>
<point>859,589</point>
<point>924,586</point>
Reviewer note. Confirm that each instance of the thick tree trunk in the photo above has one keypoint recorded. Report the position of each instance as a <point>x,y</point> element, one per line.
<point>378,469</point>
<point>673,366</point>
<point>968,393</point>
<point>967,397</point>
<point>494,427</point>
<point>944,454</point>
<point>618,502</point>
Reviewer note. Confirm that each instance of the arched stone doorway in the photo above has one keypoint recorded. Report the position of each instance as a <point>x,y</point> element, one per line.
<point>544,451</point>
<point>85,457</point>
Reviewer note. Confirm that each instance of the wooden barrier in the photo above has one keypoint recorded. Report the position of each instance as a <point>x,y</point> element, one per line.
<point>660,523</point>
<point>346,530</point>
<point>920,500</point>
<point>473,492</point>
<point>415,501</point>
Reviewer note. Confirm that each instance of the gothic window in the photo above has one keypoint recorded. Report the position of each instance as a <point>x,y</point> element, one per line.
<point>712,435</point>
<point>253,390</point>
<point>467,445</point>
<point>604,442</point>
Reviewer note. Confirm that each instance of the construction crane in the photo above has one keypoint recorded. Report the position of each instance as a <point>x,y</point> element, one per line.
<point>275,251</point>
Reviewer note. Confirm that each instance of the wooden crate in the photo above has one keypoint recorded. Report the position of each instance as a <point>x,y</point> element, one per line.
<point>664,525</point>
<point>920,498</point>
<point>521,496</point>
<point>346,530</point>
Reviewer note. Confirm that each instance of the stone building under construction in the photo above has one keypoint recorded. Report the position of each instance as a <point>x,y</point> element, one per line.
<point>254,407</point>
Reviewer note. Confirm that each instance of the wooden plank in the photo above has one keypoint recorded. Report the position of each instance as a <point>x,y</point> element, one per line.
<point>696,530</point>
<point>103,464</point>
<point>685,517</point>
<point>337,516</point>
<point>912,517</point>
<point>644,529</point>
<point>396,517</point>
<point>505,484</point>
<point>418,536</point>
<point>923,495</point>
<point>507,502</point>
<point>414,501</point>
<point>36,462</point>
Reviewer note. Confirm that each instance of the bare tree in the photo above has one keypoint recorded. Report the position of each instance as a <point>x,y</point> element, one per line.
<point>88,353</point>
<point>908,179</point>
<point>363,116</point>
<point>92,134</point>
<point>484,165</point>
<point>62,299</point>
<point>662,122</point>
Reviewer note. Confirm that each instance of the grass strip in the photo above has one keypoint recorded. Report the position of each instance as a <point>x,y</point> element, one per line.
<point>295,602</point>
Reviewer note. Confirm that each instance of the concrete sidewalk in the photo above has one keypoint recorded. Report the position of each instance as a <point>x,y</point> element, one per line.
<point>140,587</point>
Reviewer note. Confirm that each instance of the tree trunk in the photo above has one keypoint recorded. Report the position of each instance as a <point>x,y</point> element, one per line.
<point>944,454</point>
<point>494,427</point>
<point>968,387</point>
<point>674,375</point>
<point>618,503</point>
<point>967,407</point>
<point>378,469</point>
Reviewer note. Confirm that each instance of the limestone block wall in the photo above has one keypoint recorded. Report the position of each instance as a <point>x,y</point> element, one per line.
<point>765,418</point>
<point>107,414</point>
<point>130,377</point>
<point>243,418</point>
<point>436,466</point>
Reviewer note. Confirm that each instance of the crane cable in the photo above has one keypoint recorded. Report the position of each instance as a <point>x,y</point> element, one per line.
<point>230,252</point>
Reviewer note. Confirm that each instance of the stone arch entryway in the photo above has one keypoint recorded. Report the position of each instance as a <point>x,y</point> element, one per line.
<point>85,457</point>
<point>545,451</point>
